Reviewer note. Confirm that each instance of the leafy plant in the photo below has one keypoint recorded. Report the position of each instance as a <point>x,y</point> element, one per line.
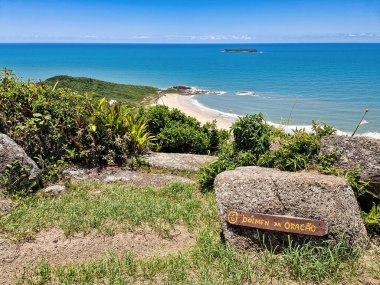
<point>321,129</point>
<point>15,180</point>
<point>296,152</point>
<point>57,126</point>
<point>140,138</point>
<point>251,134</point>
<point>372,218</point>
<point>176,132</point>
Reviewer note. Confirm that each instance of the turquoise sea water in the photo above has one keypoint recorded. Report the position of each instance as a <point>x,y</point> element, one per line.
<point>327,82</point>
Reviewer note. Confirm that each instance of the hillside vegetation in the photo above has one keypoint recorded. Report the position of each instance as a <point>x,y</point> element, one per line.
<point>130,94</point>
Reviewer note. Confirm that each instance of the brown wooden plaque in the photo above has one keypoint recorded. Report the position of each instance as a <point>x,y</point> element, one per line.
<point>279,223</point>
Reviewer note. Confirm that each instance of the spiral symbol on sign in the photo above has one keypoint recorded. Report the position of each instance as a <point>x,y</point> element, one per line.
<point>232,217</point>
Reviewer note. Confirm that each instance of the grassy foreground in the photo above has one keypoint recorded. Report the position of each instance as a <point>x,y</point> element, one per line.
<point>107,208</point>
<point>130,94</point>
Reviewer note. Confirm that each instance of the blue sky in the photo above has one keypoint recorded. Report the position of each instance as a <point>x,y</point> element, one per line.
<point>186,21</point>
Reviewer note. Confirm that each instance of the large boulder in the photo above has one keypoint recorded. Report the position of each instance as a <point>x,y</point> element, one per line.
<point>360,152</point>
<point>11,151</point>
<point>307,195</point>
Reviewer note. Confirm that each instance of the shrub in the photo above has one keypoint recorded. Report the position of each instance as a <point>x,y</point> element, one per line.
<point>209,172</point>
<point>55,125</point>
<point>296,152</point>
<point>180,138</point>
<point>251,134</point>
<point>109,134</point>
<point>322,129</point>
<point>252,137</point>
<point>177,132</point>
<point>15,180</point>
<point>372,219</point>
<point>39,118</point>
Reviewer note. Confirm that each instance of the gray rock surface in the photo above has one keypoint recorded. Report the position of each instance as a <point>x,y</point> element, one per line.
<point>305,195</point>
<point>360,152</point>
<point>179,161</point>
<point>55,190</point>
<point>11,151</point>
<point>115,174</point>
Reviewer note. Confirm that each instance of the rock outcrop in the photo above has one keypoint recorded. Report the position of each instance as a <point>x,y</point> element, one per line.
<point>11,151</point>
<point>304,195</point>
<point>360,152</point>
<point>123,175</point>
<point>178,161</point>
<point>55,190</point>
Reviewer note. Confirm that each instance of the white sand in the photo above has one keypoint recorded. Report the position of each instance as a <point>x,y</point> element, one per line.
<point>187,106</point>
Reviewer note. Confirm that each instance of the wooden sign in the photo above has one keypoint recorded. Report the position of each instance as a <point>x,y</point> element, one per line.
<point>279,223</point>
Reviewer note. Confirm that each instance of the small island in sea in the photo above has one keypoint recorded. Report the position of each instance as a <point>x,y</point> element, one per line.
<point>241,50</point>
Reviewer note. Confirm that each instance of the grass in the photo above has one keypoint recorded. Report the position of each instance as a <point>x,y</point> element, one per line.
<point>108,207</point>
<point>114,207</point>
<point>130,94</point>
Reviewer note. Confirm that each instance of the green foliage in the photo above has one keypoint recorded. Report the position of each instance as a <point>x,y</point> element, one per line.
<point>316,262</point>
<point>40,119</point>
<point>130,94</point>
<point>112,132</point>
<point>321,129</point>
<point>251,134</point>
<point>177,132</point>
<point>55,126</point>
<point>296,152</point>
<point>15,180</point>
<point>366,198</point>
<point>251,139</point>
<point>209,172</point>
<point>372,218</point>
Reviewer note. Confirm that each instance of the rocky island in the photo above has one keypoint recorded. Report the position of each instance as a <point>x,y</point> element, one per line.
<point>241,50</point>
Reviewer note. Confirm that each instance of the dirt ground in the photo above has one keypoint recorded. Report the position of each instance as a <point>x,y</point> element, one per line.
<point>54,247</point>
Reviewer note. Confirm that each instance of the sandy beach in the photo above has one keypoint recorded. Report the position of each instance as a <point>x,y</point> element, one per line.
<point>186,104</point>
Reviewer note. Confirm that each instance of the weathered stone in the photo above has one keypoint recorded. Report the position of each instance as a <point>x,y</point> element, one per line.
<point>119,174</point>
<point>11,151</point>
<point>55,190</point>
<point>178,161</point>
<point>360,152</point>
<point>305,195</point>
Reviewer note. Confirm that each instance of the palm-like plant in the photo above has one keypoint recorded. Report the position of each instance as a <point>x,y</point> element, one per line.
<point>140,138</point>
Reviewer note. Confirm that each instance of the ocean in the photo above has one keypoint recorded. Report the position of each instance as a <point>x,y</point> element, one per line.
<point>293,83</point>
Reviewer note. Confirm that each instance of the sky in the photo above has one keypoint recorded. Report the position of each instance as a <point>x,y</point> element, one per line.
<point>189,21</point>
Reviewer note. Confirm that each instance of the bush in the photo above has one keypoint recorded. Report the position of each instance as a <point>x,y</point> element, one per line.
<point>322,129</point>
<point>180,138</point>
<point>209,172</point>
<point>177,132</point>
<point>251,134</point>
<point>15,180</point>
<point>55,125</point>
<point>296,152</point>
<point>251,139</point>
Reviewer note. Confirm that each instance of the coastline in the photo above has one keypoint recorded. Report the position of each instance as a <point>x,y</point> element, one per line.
<point>187,105</point>
<point>191,107</point>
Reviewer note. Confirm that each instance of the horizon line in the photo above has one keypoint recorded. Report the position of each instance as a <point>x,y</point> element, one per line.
<point>187,43</point>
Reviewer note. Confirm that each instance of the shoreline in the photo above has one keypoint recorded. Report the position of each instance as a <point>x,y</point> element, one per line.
<point>190,107</point>
<point>187,105</point>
